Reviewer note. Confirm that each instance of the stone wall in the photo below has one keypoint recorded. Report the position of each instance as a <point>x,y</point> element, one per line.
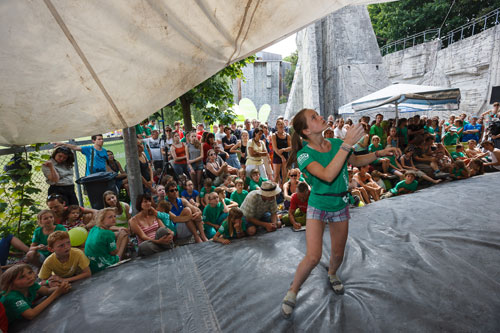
<point>473,65</point>
<point>339,61</point>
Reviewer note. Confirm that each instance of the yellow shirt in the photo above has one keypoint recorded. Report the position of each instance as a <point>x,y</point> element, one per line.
<point>76,263</point>
<point>260,148</point>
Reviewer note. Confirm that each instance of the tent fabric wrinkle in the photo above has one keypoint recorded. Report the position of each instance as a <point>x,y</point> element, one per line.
<point>77,68</point>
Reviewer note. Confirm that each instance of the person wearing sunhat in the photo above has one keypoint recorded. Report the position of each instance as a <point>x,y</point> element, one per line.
<point>260,208</point>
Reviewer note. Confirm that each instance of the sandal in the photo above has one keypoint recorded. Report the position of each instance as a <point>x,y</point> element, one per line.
<point>288,302</point>
<point>336,284</point>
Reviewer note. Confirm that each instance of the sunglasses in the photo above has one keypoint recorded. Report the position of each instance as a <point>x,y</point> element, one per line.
<point>294,176</point>
<point>173,190</point>
<point>53,196</point>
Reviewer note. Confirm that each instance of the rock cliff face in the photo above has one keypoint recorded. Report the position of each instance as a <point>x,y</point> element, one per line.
<point>339,61</point>
<point>473,65</point>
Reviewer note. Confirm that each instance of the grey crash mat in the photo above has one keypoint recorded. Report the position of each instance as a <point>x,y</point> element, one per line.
<point>423,262</point>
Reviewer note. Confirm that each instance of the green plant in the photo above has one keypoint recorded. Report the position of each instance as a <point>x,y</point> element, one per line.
<point>18,206</point>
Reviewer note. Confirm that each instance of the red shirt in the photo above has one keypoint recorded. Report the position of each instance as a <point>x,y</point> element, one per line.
<point>199,134</point>
<point>296,203</point>
<point>181,135</point>
<point>206,148</point>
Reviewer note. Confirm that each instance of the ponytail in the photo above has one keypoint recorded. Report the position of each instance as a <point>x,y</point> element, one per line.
<point>296,146</point>
<point>299,124</point>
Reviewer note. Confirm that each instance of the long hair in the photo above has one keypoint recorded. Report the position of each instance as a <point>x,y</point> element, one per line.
<point>118,205</point>
<point>196,143</point>
<point>10,275</point>
<point>299,124</point>
<point>102,214</point>
<point>234,213</point>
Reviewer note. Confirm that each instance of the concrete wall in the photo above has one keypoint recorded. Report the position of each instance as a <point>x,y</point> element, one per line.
<point>339,61</point>
<point>473,65</point>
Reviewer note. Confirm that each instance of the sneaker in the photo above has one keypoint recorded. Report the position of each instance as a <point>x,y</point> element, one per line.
<point>288,304</point>
<point>441,174</point>
<point>336,284</point>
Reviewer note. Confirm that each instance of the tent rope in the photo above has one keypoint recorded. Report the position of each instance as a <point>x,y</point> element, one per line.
<point>80,53</point>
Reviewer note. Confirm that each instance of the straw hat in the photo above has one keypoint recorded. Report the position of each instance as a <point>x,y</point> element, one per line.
<point>269,189</point>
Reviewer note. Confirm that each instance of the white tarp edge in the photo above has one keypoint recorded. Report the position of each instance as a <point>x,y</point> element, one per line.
<point>76,68</point>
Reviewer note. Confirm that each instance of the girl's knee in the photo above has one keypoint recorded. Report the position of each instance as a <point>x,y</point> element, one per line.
<point>186,211</point>
<point>312,260</point>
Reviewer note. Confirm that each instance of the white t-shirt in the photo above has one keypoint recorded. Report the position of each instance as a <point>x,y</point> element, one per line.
<point>340,133</point>
<point>218,139</point>
<point>155,147</point>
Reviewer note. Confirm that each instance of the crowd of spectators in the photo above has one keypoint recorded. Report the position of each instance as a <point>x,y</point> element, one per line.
<point>222,184</point>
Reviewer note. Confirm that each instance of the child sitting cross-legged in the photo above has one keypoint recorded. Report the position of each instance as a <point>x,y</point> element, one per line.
<point>406,161</point>
<point>38,249</point>
<point>296,216</point>
<point>240,194</point>
<point>459,154</point>
<point>216,211</point>
<point>459,170</point>
<point>65,263</point>
<point>190,194</point>
<point>355,189</point>
<point>255,180</point>
<point>232,227</point>
<point>364,179</point>
<point>102,247</point>
<point>205,190</point>
<point>19,291</point>
<point>408,185</point>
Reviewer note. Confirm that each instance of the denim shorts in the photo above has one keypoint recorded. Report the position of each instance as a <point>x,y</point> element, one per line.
<point>198,166</point>
<point>327,217</point>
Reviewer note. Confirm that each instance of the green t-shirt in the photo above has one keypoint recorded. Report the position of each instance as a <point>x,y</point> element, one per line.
<point>402,184</point>
<point>40,238</point>
<point>253,185</point>
<point>211,214</point>
<point>100,242</point>
<point>379,131</point>
<point>139,129</point>
<point>429,129</point>
<point>404,132</point>
<point>450,139</point>
<point>239,197</point>
<point>16,303</point>
<point>339,185</point>
<point>372,148</point>
<point>165,218</point>
<point>203,191</point>
<point>224,230</point>
<point>457,154</point>
<point>147,130</point>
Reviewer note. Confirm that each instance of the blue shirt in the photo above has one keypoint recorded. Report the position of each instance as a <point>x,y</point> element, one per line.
<point>193,196</point>
<point>473,136</point>
<point>100,158</point>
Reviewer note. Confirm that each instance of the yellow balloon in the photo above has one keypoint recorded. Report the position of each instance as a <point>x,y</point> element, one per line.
<point>77,236</point>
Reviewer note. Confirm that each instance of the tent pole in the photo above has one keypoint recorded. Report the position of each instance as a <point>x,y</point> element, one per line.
<point>397,113</point>
<point>133,169</point>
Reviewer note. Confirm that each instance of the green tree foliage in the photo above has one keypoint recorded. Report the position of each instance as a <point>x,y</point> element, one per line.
<point>292,58</point>
<point>18,207</point>
<point>210,101</point>
<point>396,20</point>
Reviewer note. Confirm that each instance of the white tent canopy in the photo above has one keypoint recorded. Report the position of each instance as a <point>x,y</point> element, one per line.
<point>414,97</point>
<point>76,68</point>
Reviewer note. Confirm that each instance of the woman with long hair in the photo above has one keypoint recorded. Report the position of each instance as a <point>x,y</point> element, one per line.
<point>58,171</point>
<point>282,144</point>
<point>146,171</point>
<point>179,156</point>
<point>208,144</point>
<point>324,163</point>
<point>195,159</point>
<point>241,146</point>
<point>256,153</point>
<point>214,170</point>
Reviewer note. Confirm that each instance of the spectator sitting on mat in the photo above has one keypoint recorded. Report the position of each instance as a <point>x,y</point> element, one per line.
<point>233,227</point>
<point>476,167</point>
<point>355,189</point>
<point>494,156</point>
<point>473,151</point>
<point>408,185</point>
<point>260,208</point>
<point>96,155</point>
<point>376,146</point>
<point>73,217</point>
<point>153,235</point>
<point>451,137</point>
<point>57,205</point>
<point>190,194</point>
<point>187,217</point>
<point>364,179</point>
<point>255,180</point>
<point>459,170</point>
<point>205,190</point>
<point>406,161</point>
<point>58,171</point>
<point>459,153</point>
<point>65,263</point>
<point>102,247</point>
<point>296,216</point>
<point>290,187</point>
<point>216,211</point>
<point>240,194</point>
<point>228,184</point>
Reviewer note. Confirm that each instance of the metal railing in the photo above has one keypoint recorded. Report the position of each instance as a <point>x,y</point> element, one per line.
<point>472,28</point>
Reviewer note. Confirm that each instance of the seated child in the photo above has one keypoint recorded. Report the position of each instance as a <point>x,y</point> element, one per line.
<point>232,227</point>
<point>473,151</point>
<point>459,170</point>
<point>375,146</point>
<point>122,209</point>
<point>242,174</point>
<point>228,184</point>
<point>206,189</point>
<point>65,263</point>
<point>476,167</point>
<point>377,178</point>
<point>38,250</point>
<point>451,137</point>
<point>163,213</point>
<point>364,179</point>
<point>216,211</point>
<point>19,291</point>
<point>444,162</point>
<point>73,217</point>
<point>160,193</point>
<point>102,247</point>
<point>240,194</point>
<point>190,194</point>
<point>459,154</point>
<point>296,216</point>
<point>406,161</point>
<point>355,189</point>
<point>290,187</point>
<point>255,180</point>
<point>408,185</point>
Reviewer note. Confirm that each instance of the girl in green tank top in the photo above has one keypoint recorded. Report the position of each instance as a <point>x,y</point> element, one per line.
<point>324,164</point>
<point>122,209</point>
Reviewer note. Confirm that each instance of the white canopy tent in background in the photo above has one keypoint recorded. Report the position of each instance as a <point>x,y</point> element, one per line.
<point>400,98</point>
<point>76,68</point>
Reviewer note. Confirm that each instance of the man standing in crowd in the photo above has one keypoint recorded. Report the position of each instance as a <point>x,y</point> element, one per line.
<point>248,128</point>
<point>260,208</point>
<point>340,131</point>
<point>157,149</point>
<point>472,130</point>
<point>228,141</point>
<point>236,131</point>
<point>377,129</point>
<point>177,128</point>
<point>96,155</point>
<point>200,129</point>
